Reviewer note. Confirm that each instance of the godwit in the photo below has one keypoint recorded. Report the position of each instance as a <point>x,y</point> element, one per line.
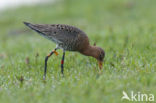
<point>67,38</point>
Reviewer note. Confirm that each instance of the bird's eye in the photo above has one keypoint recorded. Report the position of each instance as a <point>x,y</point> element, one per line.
<point>101,57</point>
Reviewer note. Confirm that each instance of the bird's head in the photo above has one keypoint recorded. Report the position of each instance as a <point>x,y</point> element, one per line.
<point>96,52</point>
<point>100,54</point>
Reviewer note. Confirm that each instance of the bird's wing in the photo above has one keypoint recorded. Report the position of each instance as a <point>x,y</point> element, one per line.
<point>59,32</point>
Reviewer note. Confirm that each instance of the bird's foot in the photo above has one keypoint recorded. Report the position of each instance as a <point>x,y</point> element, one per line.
<point>44,78</point>
<point>62,75</point>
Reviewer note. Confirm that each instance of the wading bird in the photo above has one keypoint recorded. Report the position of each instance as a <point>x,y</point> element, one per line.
<point>67,38</point>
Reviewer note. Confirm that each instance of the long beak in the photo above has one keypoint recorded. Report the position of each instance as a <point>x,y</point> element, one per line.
<point>100,64</point>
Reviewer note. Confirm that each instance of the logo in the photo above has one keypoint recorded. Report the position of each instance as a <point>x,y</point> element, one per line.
<point>137,96</point>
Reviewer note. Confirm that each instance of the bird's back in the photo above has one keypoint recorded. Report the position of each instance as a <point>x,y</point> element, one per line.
<point>65,36</point>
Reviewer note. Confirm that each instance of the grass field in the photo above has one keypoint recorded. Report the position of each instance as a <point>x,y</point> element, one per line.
<point>125,29</point>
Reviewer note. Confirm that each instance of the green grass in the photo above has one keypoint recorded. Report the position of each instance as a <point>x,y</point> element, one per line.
<point>125,29</point>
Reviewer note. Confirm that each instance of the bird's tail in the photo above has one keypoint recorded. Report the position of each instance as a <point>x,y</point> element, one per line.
<point>28,24</point>
<point>33,26</point>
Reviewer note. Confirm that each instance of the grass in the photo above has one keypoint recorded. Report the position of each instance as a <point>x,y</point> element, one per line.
<point>125,29</point>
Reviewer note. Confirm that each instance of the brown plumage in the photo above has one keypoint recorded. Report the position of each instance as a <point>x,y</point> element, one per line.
<point>68,38</point>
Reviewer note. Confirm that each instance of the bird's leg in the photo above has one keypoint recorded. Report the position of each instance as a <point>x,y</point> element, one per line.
<point>62,62</point>
<point>46,59</point>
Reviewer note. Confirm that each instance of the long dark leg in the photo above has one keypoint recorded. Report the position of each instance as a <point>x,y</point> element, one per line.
<point>62,61</point>
<point>46,60</point>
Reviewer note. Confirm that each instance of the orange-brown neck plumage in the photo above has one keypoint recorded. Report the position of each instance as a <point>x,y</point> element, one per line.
<point>91,51</point>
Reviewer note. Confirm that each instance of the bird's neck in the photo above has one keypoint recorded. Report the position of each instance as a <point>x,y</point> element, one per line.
<point>90,51</point>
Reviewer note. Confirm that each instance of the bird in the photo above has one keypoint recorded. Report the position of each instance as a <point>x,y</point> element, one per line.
<point>67,38</point>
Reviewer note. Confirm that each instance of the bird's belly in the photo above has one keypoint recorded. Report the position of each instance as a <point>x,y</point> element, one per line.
<point>68,44</point>
<point>66,47</point>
